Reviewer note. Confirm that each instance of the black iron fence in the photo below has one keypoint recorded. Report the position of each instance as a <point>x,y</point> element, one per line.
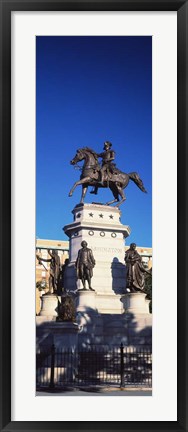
<point>119,366</point>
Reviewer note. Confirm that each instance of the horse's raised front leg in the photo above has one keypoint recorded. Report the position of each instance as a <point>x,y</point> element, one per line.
<point>79,182</point>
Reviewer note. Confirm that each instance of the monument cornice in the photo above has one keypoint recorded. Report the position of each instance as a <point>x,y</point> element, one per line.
<point>98,226</point>
<point>98,206</point>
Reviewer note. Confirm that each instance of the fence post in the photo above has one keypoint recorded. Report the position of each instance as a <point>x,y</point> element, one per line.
<point>52,367</point>
<point>122,385</point>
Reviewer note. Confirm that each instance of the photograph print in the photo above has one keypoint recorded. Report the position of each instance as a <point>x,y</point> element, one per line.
<point>94,215</point>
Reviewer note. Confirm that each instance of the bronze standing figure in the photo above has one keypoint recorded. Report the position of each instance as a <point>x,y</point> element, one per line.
<point>84,265</point>
<point>54,270</point>
<point>135,270</point>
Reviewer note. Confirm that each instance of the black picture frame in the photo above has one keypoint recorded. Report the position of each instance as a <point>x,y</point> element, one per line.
<point>6,7</point>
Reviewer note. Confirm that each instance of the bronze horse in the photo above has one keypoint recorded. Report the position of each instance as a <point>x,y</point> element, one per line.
<point>90,176</point>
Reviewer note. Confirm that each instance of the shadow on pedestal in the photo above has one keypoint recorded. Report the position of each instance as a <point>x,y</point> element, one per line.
<point>133,327</point>
<point>97,349</point>
<point>118,276</point>
<point>113,329</point>
<point>119,357</point>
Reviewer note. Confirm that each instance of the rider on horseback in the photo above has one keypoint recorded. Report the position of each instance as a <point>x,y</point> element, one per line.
<point>107,166</point>
<point>111,177</point>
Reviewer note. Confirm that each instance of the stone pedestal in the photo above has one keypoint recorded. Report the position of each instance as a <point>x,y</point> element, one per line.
<point>135,303</point>
<point>65,334</point>
<point>136,319</point>
<point>106,316</point>
<point>64,337</point>
<point>86,300</point>
<point>87,318</point>
<point>49,305</point>
<point>100,226</point>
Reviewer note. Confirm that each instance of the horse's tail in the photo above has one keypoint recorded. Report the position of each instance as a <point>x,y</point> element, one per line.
<point>137,180</point>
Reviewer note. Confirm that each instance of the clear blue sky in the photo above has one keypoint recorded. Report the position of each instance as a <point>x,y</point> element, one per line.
<point>89,90</point>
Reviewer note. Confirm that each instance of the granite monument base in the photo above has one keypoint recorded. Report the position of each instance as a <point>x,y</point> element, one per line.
<point>49,305</point>
<point>60,340</point>
<point>64,334</point>
<point>132,327</point>
<point>100,226</point>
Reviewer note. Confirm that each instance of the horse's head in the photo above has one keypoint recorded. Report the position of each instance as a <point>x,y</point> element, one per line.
<point>89,157</point>
<point>78,157</point>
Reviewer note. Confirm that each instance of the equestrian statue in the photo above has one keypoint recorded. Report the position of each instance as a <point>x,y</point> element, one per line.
<point>105,176</point>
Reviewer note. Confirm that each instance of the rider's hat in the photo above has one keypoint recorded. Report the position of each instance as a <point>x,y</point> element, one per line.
<point>108,143</point>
